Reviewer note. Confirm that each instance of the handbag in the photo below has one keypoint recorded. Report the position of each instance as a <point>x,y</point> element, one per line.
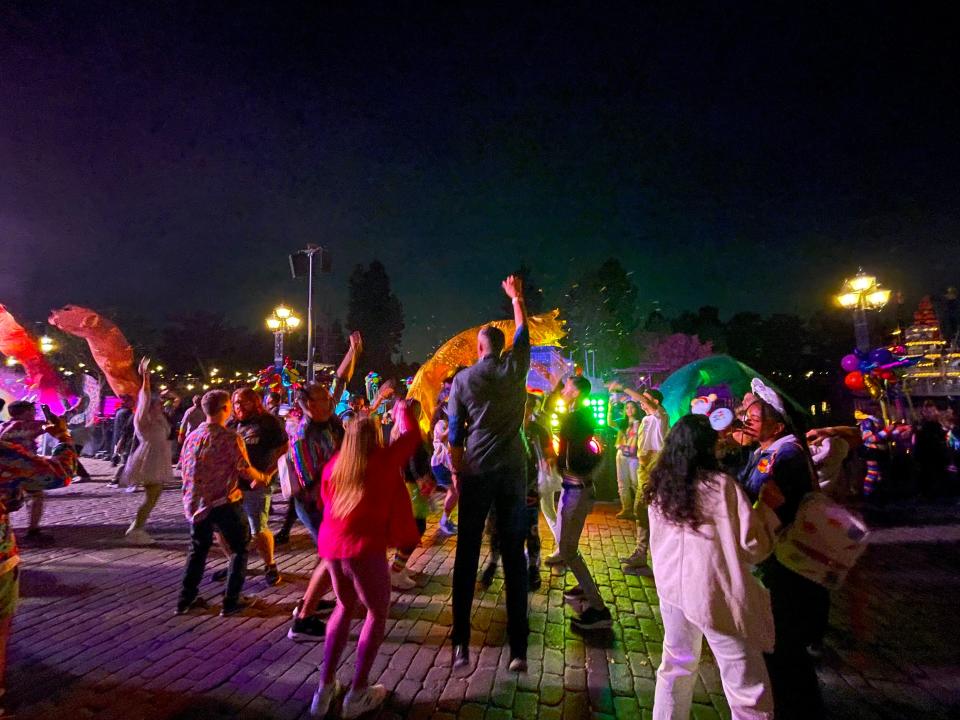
<point>289,481</point>
<point>824,541</point>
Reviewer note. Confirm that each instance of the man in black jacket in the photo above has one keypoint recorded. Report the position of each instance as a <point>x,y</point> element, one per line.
<point>485,411</point>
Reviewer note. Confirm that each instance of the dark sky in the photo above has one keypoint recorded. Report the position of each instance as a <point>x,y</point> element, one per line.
<point>167,156</point>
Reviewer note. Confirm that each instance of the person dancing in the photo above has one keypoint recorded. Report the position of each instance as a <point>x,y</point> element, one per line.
<point>704,537</point>
<point>367,510</point>
<point>149,464</point>
<point>485,411</point>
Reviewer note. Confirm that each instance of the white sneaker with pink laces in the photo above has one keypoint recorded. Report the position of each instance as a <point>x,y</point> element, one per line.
<point>358,702</point>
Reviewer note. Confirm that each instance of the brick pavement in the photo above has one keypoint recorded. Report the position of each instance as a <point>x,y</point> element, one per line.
<point>95,636</point>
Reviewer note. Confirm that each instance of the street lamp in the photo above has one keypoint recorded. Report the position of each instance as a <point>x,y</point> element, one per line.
<point>47,345</point>
<point>281,322</point>
<point>860,293</point>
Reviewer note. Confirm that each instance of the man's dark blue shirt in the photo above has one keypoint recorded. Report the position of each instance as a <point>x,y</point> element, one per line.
<point>486,408</point>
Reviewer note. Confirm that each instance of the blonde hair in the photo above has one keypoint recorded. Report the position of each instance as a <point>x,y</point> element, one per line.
<point>361,437</point>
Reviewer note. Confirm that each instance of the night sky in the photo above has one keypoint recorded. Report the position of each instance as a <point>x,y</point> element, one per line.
<point>164,156</point>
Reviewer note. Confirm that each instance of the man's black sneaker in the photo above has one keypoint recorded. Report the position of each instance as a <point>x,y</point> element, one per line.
<point>486,578</point>
<point>533,579</point>
<point>272,575</point>
<point>235,607</point>
<point>219,575</point>
<point>574,593</point>
<point>184,607</point>
<point>282,537</point>
<point>308,629</point>
<point>593,619</point>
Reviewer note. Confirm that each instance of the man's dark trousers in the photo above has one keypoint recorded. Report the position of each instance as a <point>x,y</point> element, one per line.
<point>505,491</point>
<point>230,521</point>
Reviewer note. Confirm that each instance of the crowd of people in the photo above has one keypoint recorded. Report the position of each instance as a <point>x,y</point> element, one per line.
<point>707,507</point>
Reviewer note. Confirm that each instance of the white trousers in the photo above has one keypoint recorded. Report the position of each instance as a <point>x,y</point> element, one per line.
<point>742,670</point>
<point>626,479</point>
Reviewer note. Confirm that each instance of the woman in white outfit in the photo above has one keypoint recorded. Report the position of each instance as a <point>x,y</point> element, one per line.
<point>704,537</point>
<point>628,431</point>
<point>149,464</point>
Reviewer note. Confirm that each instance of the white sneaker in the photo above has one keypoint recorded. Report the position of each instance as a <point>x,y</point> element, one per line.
<point>323,698</point>
<point>400,580</point>
<point>138,536</point>
<point>356,703</point>
<point>553,559</point>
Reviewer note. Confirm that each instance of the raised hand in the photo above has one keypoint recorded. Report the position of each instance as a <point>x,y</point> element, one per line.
<point>144,366</point>
<point>356,341</point>
<point>513,286</point>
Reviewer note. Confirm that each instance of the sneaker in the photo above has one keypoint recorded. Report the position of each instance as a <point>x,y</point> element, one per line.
<point>574,593</point>
<point>400,580</point>
<point>448,527</point>
<point>553,559</point>
<point>592,619</point>
<point>138,536</point>
<point>533,578</point>
<point>637,560</point>
<point>308,629</point>
<point>518,664</point>
<point>198,603</point>
<point>282,537</point>
<point>272,575</point>
<point>323,699</point>
<point>486,578</point>
<point>220,575</point>
<point>359,702</point>
<point>235,607</point>
<point>625,515</point>
<point>132,489</point>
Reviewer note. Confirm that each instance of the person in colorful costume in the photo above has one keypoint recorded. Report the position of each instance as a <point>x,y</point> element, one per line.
<point>628,431</point>
<point>19,469</point>
<point>876,451</point>
<point>800,606</point>
<point>24,429</point>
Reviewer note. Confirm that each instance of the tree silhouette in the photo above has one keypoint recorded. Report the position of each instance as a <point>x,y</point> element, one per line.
<point>376,312</point>
<point>601,313</point>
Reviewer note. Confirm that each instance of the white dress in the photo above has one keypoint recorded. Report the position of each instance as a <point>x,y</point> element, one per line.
<point>150,463</point>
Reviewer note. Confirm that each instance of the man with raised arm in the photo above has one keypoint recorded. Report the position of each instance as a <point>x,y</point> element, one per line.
<point>485,412</point>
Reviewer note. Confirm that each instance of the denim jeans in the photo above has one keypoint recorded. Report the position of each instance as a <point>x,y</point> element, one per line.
<point>231,523</point>
<point>575,504</point>
<point>308,512</point>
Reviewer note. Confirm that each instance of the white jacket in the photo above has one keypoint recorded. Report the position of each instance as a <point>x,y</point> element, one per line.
<point>707,572</point>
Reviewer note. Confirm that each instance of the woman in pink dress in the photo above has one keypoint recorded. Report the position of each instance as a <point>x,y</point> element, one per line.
<point>366,510</point>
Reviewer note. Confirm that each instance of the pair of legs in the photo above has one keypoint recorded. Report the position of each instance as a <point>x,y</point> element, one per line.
<point>640,515</point>
<point>800,609</point>
<point>444,478</point>
<point>402,556</point>
<point>256,506</point>
<point>742,670</point>
<point>358,581</point>
<point>151,494</point>
<point>532,538</point>
<point>626,483</point>
<point>506,492</point>
<point>230,522</point>
<point>9,594</point>
<point>576,502</point>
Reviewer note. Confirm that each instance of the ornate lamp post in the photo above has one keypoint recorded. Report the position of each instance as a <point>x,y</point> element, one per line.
<point>860,293</point>
<point>281,322</point>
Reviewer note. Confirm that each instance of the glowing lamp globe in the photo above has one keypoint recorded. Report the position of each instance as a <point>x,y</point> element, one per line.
<point>293,322</point>
<point>848,300</point>
<point>282,312</point>
<point>861,282</point>
<point>273,323</point>
<point>878,298</point>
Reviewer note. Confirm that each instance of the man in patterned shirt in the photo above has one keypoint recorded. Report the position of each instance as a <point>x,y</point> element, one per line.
<point>213,460</point>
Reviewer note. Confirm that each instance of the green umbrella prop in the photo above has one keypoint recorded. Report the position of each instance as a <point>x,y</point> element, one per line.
<point>684,384</point>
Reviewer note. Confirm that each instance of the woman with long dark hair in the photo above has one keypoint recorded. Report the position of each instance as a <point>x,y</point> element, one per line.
<point>704,537</point>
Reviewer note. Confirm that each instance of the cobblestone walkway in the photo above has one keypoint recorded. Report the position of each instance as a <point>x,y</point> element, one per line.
<point>95,635</point>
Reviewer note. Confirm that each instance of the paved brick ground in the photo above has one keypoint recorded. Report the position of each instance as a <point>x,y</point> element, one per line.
<point>95,636</point>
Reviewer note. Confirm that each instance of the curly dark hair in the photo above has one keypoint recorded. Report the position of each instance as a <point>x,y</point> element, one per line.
<point>687,458</point>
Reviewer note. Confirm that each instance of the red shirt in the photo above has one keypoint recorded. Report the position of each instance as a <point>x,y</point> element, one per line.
<point>384,516</point>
